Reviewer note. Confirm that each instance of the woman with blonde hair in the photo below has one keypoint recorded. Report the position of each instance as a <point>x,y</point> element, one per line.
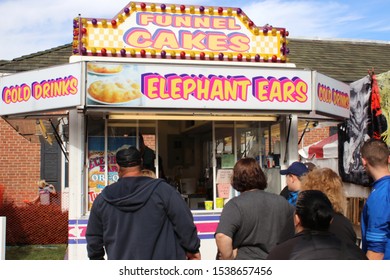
<point>148,173</point>
<point>330,183</point>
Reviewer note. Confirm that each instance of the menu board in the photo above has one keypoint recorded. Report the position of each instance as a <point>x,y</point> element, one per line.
<point>224,186</point>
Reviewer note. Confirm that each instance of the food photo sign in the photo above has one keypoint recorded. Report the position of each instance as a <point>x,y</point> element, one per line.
<point>184,86</point>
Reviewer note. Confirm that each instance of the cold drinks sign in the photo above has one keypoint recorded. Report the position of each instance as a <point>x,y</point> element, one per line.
<point>41,90</point>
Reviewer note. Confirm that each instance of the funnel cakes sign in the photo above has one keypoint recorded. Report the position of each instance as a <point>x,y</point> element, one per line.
<point>177,31</point>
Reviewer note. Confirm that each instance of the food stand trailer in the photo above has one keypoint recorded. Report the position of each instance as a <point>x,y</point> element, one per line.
<point>204,85</point>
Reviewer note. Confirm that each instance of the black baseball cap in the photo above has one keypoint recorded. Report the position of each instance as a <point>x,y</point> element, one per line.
<point>128,157</point>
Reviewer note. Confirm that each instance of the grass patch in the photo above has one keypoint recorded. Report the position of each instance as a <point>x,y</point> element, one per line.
<point>36,252</point>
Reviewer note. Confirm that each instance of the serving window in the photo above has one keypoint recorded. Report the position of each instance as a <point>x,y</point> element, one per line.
<point>195,157</point>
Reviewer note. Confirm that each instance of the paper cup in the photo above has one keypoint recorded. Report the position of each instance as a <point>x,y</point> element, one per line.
<point>219,202</point>
<point>208,205</point>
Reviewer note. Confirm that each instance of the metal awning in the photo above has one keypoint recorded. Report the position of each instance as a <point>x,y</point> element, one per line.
<point>50,127</point>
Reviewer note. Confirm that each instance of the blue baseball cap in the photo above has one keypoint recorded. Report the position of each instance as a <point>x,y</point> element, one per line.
<point>296,168</point>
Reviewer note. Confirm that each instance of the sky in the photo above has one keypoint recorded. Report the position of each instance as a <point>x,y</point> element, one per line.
<point>31,26</point>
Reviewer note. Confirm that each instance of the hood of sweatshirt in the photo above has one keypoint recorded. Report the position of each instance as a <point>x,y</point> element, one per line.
<point>130,193</point>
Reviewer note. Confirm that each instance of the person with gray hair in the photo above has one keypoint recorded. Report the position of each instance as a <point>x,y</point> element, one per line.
<point>313,241</point>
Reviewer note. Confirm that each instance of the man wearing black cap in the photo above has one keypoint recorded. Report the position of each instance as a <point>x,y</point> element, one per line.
<point>140,218</point>
<point>293,181</point>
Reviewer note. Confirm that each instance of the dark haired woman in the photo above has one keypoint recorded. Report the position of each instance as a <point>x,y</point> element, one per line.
<point>252,223</point>
<point>313,240</point>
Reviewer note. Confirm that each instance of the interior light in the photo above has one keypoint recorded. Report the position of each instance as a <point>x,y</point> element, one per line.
<point>200,117</point>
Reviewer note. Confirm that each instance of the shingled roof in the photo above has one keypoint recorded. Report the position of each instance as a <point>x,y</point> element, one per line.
<point>344,60</point>
<point>51,57</point>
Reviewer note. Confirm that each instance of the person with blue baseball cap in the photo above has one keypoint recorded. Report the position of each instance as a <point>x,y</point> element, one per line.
<point>293,174</point>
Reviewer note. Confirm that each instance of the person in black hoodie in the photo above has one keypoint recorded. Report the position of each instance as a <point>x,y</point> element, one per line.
<point>140,218</point>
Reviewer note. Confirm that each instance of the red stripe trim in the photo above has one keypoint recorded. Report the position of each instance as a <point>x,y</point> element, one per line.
<point>206,227</point>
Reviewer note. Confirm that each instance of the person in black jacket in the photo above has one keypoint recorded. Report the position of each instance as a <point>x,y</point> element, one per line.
<point>140,218</point>
<point>312,240</point>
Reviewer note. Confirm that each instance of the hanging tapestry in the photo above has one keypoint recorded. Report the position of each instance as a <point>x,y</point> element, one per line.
<point>366,121</point>
<point>353,132</point>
